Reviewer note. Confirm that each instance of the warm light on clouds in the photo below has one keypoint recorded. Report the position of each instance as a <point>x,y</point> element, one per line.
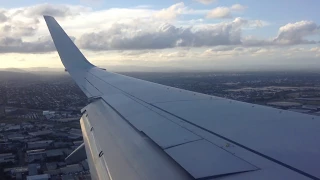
<point>176,35</point>
<point>225,12</point>
<point>170,13</point>
<point>220,12</point>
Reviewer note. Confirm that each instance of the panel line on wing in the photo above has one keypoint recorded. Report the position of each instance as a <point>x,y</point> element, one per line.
<point>182,144</point>
<point>125,92</point>
<point>93,86</point>
<point>223,175</point>
<point>85,90</point>
<point>183,100</point>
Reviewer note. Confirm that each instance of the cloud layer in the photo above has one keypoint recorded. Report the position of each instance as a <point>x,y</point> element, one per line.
<point>125,37</point>
<point>22,30</point>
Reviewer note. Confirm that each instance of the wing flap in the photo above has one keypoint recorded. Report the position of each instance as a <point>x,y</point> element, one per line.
<point>179,142</point>
<point>168,134</point>
<point>203,159</point>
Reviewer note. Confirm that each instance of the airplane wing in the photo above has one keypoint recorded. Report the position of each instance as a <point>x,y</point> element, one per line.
<point>134,129</point>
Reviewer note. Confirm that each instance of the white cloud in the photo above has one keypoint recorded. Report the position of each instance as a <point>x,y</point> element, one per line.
<point>206,1</point>
<point>176,54</point>
<point>171,12</point>
<point>225,12</point>
<point>127,36</point>
<point>18,29</point>
<point>289,34</point>
<point>17,45</point>
<point>53,10</point>
<point>3,17</point>
<point>316,50</point>
<point>220,12</point>
<point>238,7</point>
<point>95,2</point>
<point>254,41</point>
<point>294,33</point>
<point>258,23</point>
<point>221,48</point>
<point>242,51</point>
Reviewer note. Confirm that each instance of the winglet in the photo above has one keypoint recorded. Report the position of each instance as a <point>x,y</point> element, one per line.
<point>70,55</point>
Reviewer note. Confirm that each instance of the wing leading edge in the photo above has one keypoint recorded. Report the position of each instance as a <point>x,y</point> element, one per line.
<point>132,122</point>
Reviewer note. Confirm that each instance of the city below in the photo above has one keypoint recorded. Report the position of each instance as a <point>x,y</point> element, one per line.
<point>40,112</point>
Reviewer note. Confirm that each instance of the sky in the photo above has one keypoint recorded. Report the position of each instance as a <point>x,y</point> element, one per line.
<point>166,34</point>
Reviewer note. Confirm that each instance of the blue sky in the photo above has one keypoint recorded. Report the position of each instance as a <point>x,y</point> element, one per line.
<point>279,11</point>
<point>167,32</point>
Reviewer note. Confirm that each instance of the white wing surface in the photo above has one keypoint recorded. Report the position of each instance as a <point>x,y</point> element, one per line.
<point>135,129</point>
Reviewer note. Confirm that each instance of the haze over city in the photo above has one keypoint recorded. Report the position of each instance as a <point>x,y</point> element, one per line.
<point>166,35</point>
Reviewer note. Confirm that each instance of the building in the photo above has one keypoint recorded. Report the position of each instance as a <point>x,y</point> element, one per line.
<point>284,104</point>
<point>3,140</point>
<point>40,133</point>
<point>7,158</point>
<point>40,144</point>
<point>51,166</point>
<point>7,146</point>
<point>2,111</point>
<point>67,177</point>
<point>55,154</point>
<point>15,137</point>
<point>73,168</point>
<point>27,126</point>
<point>77,143</point>
<point>54,172</point>
<point>33,169</point>
<point>12,127</point>
<point>85,165</point>
<point>75,134</point>
<point>299,110</point>
<point>310,107</point>
<point>15,171</point>
<point>37,155</point>
<point>39,177</point>
<point>62,144</point>
<point>60,135</point>
<point>74,137</point>
<point>48,114</point>
<point>66,120</point>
